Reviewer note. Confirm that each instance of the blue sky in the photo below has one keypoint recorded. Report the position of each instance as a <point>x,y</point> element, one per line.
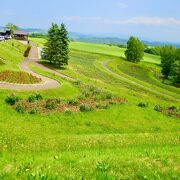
<point>150,19</point>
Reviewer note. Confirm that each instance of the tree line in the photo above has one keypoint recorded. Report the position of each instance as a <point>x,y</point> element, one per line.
<point>170,58</point>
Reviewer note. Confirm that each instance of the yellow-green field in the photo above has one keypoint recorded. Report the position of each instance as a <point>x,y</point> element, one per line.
<point>121,142</point>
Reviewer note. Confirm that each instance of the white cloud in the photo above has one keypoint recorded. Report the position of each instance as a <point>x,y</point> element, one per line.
<point>122,5</point>
<point>140,20</point>
<point>146,20</point>
<point>80,18</point>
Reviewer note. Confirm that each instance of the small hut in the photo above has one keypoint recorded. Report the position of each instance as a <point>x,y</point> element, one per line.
<point>20,35</point>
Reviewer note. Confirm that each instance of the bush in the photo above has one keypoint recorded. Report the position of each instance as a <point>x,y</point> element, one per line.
<point>12,99</point>
<point>34,111</point>
<point>143,105</point>
<point>89,91</point>
<point>68,112</point>
<point>78,83</point>
<point>112,103</point>
<point>81,97</point>
<point>99,97</point>
<point>26,53</point>
<point>36,97</point>
<point>20,109</point>
<point>102,106</point>
<point>50,104</point>
<point>85,108</point>
<point>109,96</point>
<point>158,108</point>
<point>39,97</point>
<point>173,108</point>
<point>32,98</point>
<point>73,102</point>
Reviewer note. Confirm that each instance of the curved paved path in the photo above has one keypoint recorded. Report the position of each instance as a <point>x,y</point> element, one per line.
<point>46,83</point>
<point>104,64</point>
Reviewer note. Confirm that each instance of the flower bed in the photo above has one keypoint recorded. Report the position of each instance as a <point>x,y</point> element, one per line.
<point>18,77</point>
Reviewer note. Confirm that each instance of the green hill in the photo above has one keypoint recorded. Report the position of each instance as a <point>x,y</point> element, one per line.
<point>132,140</point>
<point>11,54</point>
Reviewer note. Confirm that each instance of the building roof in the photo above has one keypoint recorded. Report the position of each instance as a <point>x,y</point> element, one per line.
<point>18,32</point>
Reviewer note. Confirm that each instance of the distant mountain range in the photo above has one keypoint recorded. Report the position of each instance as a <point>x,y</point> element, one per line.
<point>99,39</point>
<point>114,40</point>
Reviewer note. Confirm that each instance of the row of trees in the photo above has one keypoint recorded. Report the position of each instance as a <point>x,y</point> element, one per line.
<point>153,50</point>
<point>56,50</point>
<point>170,58</point>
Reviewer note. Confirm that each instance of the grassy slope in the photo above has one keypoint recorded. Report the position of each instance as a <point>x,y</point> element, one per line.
<point>12,54</point>
<point>108,50</point>
<point>124,141</point>
<point>100,49</point>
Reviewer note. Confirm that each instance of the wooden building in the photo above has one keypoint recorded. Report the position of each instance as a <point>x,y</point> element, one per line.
<point>20,35</point>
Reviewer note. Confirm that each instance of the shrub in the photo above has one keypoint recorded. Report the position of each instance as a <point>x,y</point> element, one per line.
<point>73,102</point>
<point>109,96</point>
<point>39,97</point>
<point>36,97</point>
<point>50,104</point>
<point>102,106</point>
<point>81,97</point>
<point>32,98</point>
<point>12,99</point>
<point>173,108</point>
<point>85,108</point>
<point>89,91</point>
<point>34,111</point>
<point>99,97</point>
<point>26,53</point>
<point>158,108</point>
<point>143,105</point>
<point>20,109</point>
<point>68,112</point>
<point>112,103</point>
<point>78,83</point>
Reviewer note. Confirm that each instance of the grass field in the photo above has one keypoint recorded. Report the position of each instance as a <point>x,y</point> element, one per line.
<point>11,53</point>
<point>122,142</point>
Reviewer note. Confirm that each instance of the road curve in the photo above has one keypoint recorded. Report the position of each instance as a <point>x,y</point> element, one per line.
<point>46,83</point>
<point>105,63</point>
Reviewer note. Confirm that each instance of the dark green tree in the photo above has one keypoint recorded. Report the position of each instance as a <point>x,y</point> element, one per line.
<point>168,56</point>
<point>175,72</point>
<point>178,54</point>
<point>64,45</point>
<point>57,47</point>
<point>135,50</point>
<point>175,69</point>
<point>50,48</point>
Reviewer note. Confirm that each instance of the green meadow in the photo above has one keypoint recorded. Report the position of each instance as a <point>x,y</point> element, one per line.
<point>124,141</point>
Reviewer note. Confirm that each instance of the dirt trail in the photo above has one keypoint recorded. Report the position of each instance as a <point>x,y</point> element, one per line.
<point>104,64</point>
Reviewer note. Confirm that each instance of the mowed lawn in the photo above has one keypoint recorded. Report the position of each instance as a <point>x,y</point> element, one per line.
<point>121,142</point>
<point>109,50</point>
